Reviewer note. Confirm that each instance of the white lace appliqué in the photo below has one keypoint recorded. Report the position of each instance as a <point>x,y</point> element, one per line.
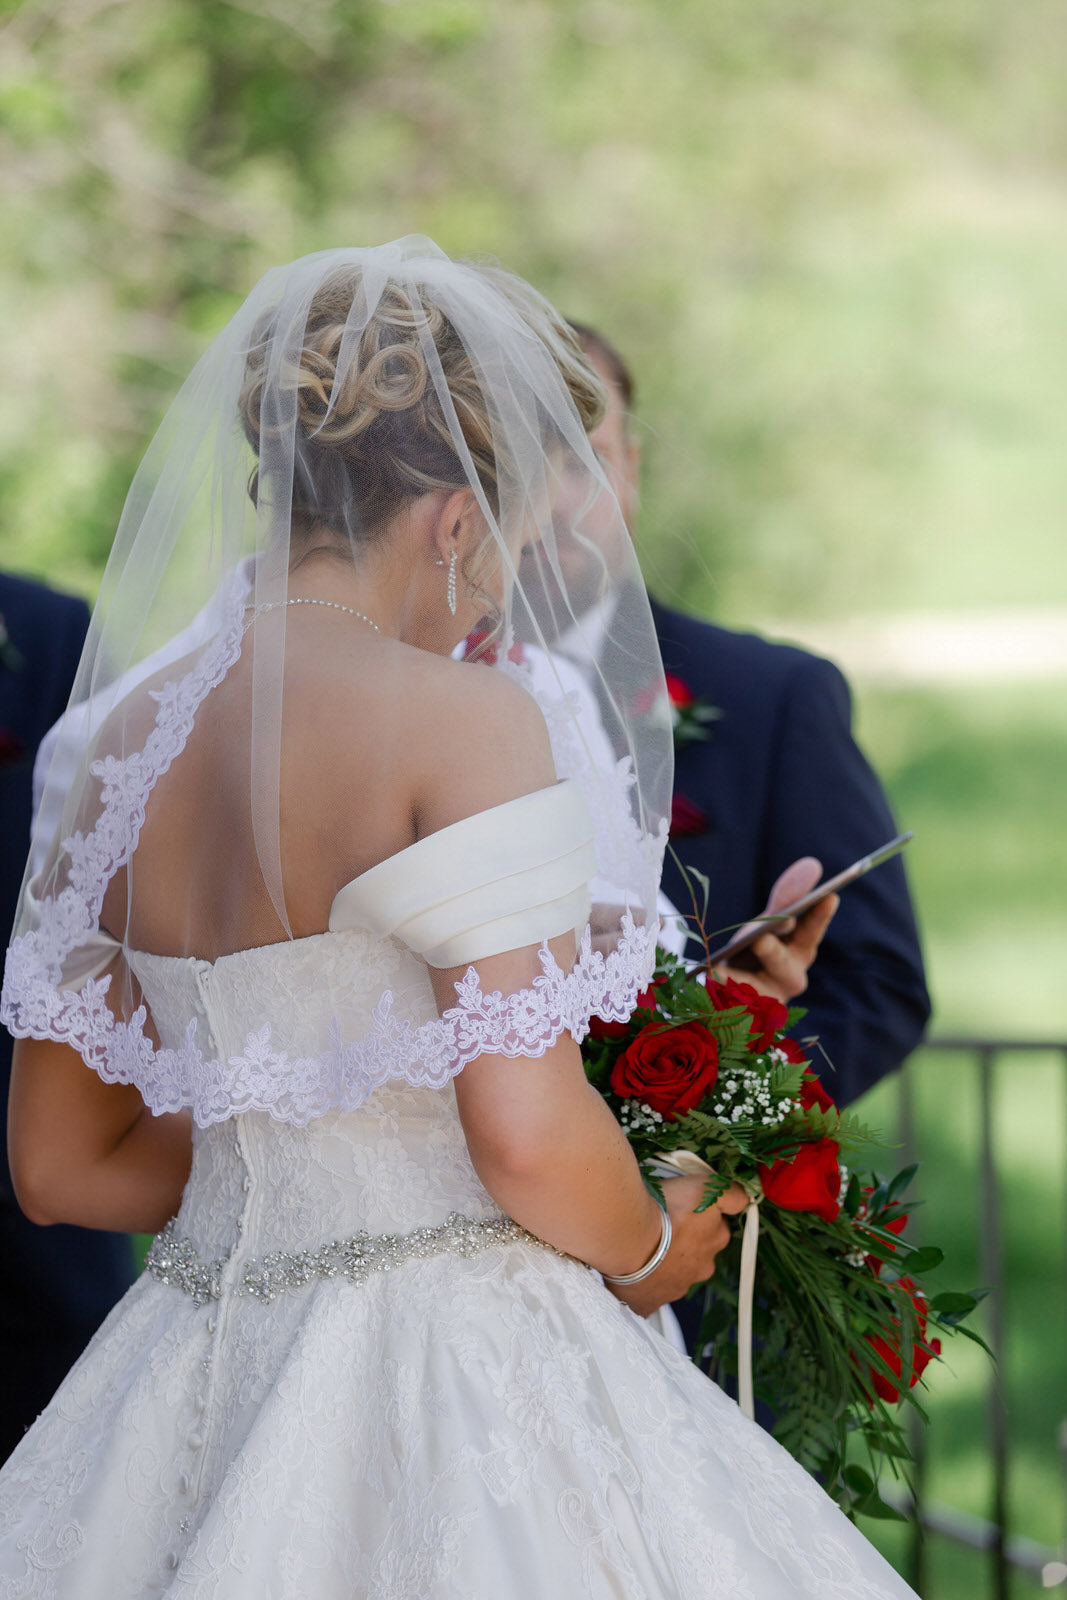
<point>34,1002</point>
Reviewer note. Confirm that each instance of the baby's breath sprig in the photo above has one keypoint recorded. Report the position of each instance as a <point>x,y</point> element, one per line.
<point>636,1117</point>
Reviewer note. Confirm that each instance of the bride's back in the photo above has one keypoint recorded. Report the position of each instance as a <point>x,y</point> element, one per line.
<point>330,744</point>
<point>360,721</point>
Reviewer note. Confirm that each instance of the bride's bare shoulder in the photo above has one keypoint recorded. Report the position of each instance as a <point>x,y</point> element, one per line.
<point>473,693</point>
<point>481,740</point>
<point>451,736</point>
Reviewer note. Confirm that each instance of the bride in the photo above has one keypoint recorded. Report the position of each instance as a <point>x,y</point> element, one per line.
<point>317,916</point>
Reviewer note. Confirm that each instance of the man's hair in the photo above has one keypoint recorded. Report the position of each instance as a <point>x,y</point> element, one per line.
<point>601,349</point>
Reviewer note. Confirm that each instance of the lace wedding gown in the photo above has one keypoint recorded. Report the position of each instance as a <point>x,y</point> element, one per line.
<point>345,1374</point>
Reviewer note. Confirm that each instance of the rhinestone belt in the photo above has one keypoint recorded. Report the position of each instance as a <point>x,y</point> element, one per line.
<point>175,1261</point>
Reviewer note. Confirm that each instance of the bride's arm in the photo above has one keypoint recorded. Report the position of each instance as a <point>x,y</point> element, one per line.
<point>88,1152</point>
<point>542,1140</point>
<point>552,1156</point>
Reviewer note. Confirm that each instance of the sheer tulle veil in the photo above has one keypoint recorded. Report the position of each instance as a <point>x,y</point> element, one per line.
<point>348,384</point>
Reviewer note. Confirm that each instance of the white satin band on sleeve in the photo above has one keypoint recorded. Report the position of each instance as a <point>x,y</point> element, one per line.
<point>513,875</point>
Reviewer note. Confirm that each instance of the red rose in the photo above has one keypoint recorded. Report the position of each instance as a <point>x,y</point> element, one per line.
<point>768,1015</point>
<point>679,692</point>
<point>812,1092</point>
<point>687,818</point>
<point>792,1051</point>
<point>811,1181</point>
<point>598,1029</point>
<point>923,1350</point>
<point>669,1069</point>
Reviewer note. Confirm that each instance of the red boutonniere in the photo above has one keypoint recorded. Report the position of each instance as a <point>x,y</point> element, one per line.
<point>690,722</point>
<point>690,717</point>
<point>687,818</point>
<point>481,647</point>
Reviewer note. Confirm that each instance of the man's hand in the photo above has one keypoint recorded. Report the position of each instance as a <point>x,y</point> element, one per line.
<point>777,964</point>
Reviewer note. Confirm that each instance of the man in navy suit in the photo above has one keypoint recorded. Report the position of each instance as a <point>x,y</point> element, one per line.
<point>781,776</point>
<point>777,777</point>
<point>56,1284</point>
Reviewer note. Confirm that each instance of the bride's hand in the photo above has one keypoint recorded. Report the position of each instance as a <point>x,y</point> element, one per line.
<point>696,1239</point>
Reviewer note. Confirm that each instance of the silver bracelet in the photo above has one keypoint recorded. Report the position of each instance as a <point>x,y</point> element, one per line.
<point>654,1259</point>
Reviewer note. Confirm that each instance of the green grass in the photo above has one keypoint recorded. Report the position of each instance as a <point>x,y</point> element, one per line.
<point>981,775</point>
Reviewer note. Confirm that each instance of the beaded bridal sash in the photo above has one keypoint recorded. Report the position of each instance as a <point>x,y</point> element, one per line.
<point>175,1261</point>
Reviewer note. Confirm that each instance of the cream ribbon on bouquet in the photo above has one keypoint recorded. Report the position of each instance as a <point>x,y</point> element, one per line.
<point>687,1164</point>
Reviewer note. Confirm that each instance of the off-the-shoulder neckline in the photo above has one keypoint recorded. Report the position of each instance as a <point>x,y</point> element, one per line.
<point>452,830</point>
<point>371,873</point>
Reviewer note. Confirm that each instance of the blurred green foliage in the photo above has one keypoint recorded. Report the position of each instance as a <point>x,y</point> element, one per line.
<point>831,237</point>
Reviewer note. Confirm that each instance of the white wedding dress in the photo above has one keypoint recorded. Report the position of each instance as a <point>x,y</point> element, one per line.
<point>345,1376</point>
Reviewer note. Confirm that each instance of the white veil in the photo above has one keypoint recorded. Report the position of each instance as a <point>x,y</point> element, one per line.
<point>350,384</point>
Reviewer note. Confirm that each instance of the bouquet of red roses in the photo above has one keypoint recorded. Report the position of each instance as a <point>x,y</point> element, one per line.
<point>835,1332</point>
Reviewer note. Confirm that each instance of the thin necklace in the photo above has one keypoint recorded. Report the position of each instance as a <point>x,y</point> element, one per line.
<point>301,600</point>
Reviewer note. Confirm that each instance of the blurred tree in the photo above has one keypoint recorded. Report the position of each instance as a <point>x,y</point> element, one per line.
<point>830,237</point>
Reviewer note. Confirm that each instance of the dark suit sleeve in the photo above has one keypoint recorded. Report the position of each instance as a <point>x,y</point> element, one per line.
<point>56,1284</point>
<point>867,1001</point>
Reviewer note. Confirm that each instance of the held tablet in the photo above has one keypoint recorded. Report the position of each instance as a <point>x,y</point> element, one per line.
<point>751,931</point>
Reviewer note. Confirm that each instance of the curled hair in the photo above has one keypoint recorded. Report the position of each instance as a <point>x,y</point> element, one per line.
<point>373,436</point>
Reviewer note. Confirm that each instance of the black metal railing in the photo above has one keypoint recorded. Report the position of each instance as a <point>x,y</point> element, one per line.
<point>1006,1552</point>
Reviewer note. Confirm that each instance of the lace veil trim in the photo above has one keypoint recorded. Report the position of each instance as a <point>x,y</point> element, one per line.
<point>36,1003</point>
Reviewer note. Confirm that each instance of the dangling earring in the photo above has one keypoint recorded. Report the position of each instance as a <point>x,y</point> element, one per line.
<point>452,582</point>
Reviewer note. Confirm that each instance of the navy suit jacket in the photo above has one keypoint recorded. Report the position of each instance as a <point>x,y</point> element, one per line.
<point>56,1284</point>
<point>780,776</point>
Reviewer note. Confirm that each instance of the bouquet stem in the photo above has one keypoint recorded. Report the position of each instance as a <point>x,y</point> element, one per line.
<point>746,1288</point>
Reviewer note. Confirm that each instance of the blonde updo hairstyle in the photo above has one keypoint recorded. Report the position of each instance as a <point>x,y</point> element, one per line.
<point>372,438</point>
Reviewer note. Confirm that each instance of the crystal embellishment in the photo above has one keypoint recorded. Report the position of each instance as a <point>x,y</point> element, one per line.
<point>175,1261</point>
